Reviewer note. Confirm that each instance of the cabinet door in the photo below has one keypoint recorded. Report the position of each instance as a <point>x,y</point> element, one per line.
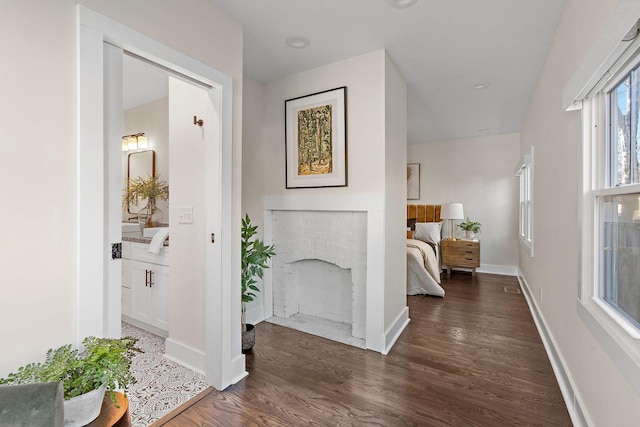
<point>126,287</point>
<point>160,297</point>
<point>140,291</point>
<point>125,301</point>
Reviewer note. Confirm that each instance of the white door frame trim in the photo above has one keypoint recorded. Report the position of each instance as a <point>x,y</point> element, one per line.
<point>224,364</point>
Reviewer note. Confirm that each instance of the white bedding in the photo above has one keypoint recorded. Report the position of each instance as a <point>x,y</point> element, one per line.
<point>423,269</point>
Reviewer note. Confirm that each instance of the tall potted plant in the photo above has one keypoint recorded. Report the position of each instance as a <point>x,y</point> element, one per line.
<point>255,255</point>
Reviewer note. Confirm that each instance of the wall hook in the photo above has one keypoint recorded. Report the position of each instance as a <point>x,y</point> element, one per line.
<point>197,122</point>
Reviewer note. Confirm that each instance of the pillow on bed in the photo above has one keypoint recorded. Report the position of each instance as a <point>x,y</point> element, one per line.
<point>429,232</point>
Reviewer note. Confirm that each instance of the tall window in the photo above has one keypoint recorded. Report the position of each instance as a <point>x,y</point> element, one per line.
<point>525,172</point>
<point>618,201</point>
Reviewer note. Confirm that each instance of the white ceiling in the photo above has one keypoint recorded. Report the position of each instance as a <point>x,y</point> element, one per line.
<point>442,48</point>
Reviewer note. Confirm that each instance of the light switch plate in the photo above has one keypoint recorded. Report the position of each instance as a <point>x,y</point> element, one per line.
<point>185,215</point>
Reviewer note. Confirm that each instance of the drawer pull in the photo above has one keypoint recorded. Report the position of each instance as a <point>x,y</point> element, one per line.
<point>150,278</point>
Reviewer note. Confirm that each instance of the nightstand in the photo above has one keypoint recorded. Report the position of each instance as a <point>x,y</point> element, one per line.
<point>461,253</point>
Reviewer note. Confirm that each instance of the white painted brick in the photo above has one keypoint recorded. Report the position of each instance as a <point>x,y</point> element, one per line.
<point>307,244</point>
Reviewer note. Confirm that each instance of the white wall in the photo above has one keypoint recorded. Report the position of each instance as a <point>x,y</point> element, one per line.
<point>603,389</point>
<point>479,173</point>
<point>368,184</point>
<point>38,157</point>
<point>151,118</point>
<point>395,291</point>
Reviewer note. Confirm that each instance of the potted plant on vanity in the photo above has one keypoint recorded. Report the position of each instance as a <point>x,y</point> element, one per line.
<point>151,189</point>
<point>254,260</point>
<point>470,228</point>
<point>103,365</point>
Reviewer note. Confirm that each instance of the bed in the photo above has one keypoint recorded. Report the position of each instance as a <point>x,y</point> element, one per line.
<point>423,251</point>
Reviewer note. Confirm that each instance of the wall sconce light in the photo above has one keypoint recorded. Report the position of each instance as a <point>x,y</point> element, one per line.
<point>142,142</point>
<point>137,141</point>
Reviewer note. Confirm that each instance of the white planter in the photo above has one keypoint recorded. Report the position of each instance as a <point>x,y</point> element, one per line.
<point>470,234</point>
<point>81,410</point>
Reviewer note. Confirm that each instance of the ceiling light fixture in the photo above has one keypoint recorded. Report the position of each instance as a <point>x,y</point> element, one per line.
<point>297,42</point>
<point>401,4</point>
<point>480,86</point>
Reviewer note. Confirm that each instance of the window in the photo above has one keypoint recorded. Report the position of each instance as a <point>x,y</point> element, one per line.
<point>617,201</point>
<point>605,88</point>
<point>611,202</point>
<point>525,171</point>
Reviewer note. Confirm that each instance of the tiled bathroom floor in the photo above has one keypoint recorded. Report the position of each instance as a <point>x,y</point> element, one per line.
<point>336,331</point>
<point>162,385</point>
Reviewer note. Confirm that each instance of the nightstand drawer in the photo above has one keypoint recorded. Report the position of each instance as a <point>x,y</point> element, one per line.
<point>463,251</point>
<point>462,261</point>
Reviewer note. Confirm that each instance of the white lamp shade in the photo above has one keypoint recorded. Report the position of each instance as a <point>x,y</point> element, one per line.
<point>125,144</point>
<point>452,211</point>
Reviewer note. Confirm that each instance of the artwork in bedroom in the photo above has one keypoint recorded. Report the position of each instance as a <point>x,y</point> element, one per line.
<point>413,181</point>
<point>315,140</point>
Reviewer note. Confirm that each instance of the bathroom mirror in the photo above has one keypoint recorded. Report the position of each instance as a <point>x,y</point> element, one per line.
<point>140,164</point>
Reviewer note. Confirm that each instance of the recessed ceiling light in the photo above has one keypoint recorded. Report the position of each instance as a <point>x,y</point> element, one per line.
<point>297,42</point>
<point>401,4</point>
<point>481,86</point>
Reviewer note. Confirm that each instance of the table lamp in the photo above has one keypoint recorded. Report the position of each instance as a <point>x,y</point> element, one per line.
<point>452,211</point>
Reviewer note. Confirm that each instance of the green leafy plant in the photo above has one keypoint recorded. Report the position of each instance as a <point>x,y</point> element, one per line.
<point>469,225</point>
<point>255,255</point>
<point>104,361</point>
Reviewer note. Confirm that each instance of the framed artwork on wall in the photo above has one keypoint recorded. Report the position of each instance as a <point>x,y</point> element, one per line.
<point>316,139</point>
<point>413,181</point>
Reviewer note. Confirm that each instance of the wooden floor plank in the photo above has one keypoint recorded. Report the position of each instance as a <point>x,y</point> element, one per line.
<point>472,358</point>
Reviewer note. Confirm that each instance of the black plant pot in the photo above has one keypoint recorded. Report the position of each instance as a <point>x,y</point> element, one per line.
<point>248,338</point>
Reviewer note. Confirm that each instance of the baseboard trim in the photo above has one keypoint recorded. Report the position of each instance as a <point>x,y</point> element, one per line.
<point>184,355</point>
<point>504,270</point>
<point>238,365</point>
<point>145,326</point>
<point>571,398</point>
<point>394,332</point>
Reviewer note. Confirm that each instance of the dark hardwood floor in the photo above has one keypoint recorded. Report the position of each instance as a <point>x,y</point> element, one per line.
<point>472,358</point>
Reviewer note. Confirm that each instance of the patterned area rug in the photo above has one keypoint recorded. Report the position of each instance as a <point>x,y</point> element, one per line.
<point>162,385</point>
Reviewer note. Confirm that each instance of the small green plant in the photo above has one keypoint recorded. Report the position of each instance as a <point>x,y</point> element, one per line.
<point>255,255</point>
<point>105,361</point>
<point>471,226</point>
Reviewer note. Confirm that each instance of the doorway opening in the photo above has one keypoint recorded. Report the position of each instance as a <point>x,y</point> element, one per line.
<point>208,341</point>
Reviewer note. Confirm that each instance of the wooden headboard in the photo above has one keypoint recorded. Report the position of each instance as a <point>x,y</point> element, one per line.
<point>424,213</point>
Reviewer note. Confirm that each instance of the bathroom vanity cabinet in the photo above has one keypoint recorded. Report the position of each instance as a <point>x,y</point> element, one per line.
<point>145,287</point>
